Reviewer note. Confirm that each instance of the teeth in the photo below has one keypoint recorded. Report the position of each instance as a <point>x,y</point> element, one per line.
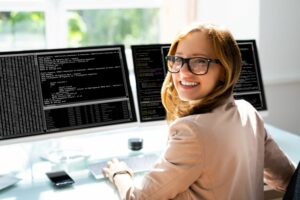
<point>189,83</point>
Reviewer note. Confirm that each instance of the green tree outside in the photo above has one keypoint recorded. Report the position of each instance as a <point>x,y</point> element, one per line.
<point>21,30</point>
<point>111,26</point>
<point>17,29</point>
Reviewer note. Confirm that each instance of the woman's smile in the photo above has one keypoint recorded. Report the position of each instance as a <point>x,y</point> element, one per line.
<point>189,83</point>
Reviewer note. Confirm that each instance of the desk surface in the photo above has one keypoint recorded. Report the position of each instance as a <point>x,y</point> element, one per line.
<point>24,161</point>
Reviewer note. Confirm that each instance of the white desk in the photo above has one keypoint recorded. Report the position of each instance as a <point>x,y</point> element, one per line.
<point>290,143</point>
<point>25,162</point>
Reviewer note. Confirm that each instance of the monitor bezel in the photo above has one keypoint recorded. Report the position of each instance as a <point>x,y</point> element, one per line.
<point>139,107</point>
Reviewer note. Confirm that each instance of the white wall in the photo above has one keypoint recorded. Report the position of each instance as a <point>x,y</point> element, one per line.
<point>275,26</point>
<point>175,15</point>
<point>284,107</point>
<point>240,16</point>
<point>279,29</point>
<point>279,34</point>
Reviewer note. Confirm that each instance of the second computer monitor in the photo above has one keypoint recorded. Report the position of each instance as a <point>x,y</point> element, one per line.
<point>150,69</point>
<point>250,85</point>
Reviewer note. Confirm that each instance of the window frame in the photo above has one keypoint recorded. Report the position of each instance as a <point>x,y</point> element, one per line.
<point>55,12</point>
<point>56,29</point>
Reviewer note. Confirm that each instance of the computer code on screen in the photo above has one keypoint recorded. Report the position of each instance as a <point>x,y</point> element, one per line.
<point>64,89</point>
<point>250,86</point>
<point>150,70</point>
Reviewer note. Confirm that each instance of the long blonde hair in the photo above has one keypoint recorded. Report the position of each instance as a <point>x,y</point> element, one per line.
<point>227,52</point>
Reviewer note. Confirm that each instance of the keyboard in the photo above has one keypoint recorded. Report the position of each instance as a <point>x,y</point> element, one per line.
<point>139,163</point>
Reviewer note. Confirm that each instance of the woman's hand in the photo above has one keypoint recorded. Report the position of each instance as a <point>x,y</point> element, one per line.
<point>120,175</point>
<point>115,167</point>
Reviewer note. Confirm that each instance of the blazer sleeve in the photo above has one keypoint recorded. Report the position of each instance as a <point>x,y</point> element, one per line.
<point>178,168</point>
<point>278,168</point>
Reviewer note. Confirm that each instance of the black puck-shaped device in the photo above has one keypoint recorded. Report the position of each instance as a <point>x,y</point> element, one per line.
<point>135,144</point>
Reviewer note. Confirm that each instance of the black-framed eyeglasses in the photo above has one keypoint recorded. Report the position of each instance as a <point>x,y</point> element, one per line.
<point>196,65</point>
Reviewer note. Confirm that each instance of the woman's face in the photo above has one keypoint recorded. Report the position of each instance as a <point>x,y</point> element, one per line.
<point>188,85</point>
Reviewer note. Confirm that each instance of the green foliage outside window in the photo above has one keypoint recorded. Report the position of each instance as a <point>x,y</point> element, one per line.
<point>21,30</point>
<point>112,26</point>
<point>26,30</point>
<point>13,22</point>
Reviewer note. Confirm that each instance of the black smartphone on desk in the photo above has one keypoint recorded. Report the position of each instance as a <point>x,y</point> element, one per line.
<point>60,178</point>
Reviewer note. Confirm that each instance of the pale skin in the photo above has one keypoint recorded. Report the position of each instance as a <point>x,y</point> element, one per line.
<point>189,87</point>
<point>122,181</point>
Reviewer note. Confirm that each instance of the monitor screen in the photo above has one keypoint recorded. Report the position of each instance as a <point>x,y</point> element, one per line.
<point>250,85</point>
<point>51,91</point>
<point>150,70</point>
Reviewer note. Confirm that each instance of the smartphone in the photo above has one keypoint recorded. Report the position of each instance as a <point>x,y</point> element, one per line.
<point>60,178</point>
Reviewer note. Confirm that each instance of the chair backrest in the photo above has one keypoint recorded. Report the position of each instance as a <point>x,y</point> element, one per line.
<point>293,189</point>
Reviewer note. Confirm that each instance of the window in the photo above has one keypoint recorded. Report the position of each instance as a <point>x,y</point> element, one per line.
<point>34,24</point>
<point>18,30</point>
<point>113,26</point>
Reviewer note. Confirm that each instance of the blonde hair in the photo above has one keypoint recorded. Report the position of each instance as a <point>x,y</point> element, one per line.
<point>226,51</point>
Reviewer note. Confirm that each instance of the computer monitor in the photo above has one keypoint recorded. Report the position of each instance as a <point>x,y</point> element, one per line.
<point>250,85</point>
<point>150,69</point>
<point>53,91</point>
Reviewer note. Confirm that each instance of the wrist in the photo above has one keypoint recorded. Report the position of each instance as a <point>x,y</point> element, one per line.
<point>123,182</point>
<point>123,172</point>
<point>120,172</point>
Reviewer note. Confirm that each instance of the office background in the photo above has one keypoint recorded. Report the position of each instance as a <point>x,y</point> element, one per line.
<point>273,23</point>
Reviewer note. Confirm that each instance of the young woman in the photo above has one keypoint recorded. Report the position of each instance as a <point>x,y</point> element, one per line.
<point>218,147</point>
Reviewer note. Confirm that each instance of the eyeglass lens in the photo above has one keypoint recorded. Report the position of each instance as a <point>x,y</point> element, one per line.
<point>195,65</point>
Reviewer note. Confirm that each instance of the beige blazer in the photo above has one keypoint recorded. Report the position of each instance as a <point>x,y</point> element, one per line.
<point>224,154</point>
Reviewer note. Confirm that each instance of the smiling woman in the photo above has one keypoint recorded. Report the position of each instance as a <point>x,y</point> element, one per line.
<point>217,146</point>
<point>189,84</point>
